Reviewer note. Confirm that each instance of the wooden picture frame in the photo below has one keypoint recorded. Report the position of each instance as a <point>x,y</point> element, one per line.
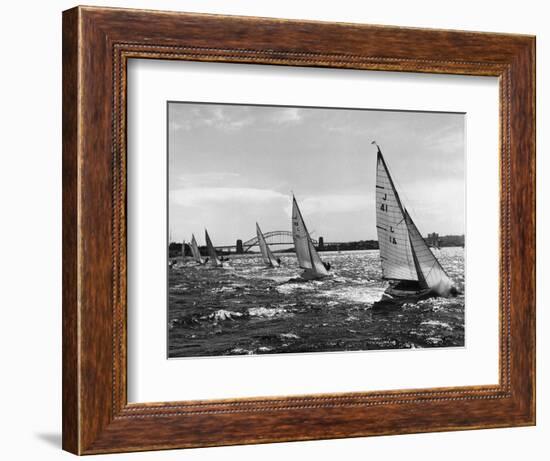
<point>97,43</point>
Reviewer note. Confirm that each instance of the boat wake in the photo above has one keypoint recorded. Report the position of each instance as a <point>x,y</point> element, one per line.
<point>362,295</point>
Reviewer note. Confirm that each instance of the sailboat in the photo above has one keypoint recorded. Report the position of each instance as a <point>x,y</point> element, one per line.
<point>306,253</point>
<point>267,255</point>
<point>195,250</point>
<point>214,260</point>
<point>407,261</point>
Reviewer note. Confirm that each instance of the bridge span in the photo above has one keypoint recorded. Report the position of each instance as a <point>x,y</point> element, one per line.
<point>273,238</point>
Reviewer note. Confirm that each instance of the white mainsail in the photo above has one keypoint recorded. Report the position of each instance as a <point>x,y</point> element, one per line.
<point>195,250</point>
<point>393,235</point>
<point>211,251</point>
<point>403,252</point>
<point>267,255</point>
<point>306,253</point>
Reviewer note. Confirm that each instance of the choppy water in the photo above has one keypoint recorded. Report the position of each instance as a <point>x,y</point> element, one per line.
<point>249,309</point>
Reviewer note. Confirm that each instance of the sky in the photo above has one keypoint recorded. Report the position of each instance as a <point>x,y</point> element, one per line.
<point>230,166</point>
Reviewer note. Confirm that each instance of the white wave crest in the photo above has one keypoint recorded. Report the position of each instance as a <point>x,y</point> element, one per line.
<point>290,287</point>
<point>240,350</point>
<point>436,323</point>
<point>222,314</point>
<point>289,336</point>
<point>369,295</point>
<point>434,340</point>
<point>267,312</point>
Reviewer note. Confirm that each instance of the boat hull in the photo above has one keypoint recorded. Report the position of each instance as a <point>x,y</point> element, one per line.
<point>398,294</point>
<point>312,275</point>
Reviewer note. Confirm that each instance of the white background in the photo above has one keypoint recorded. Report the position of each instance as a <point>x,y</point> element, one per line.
<point>30,234</point>
<point>153,378</point>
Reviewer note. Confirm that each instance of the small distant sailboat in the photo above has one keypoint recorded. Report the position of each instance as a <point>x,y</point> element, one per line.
<point>407,261</point>
<point>213,257</point>
<point>267,255</point>
<point>306,253</point>
<point>195,250</point>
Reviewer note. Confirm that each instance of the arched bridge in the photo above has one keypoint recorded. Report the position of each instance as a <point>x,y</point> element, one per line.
<point>273,238</point>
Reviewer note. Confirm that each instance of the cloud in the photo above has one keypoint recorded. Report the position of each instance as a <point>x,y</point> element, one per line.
<point>223,119</point>
<point>188,118</point>
<point>449,138</point>
<point>204,196</point>
<point>210,178</point>
<point>229,118</point>
<point>287,115</point>
<point>334,203</point>
<point>180,125</point>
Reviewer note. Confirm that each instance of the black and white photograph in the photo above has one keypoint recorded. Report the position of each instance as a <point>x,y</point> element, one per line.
<point>276,230</point>
<point>310,229</point>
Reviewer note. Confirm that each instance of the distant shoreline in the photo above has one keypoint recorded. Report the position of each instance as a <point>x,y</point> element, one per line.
<point>434,239</point>
<point>287,253</point>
